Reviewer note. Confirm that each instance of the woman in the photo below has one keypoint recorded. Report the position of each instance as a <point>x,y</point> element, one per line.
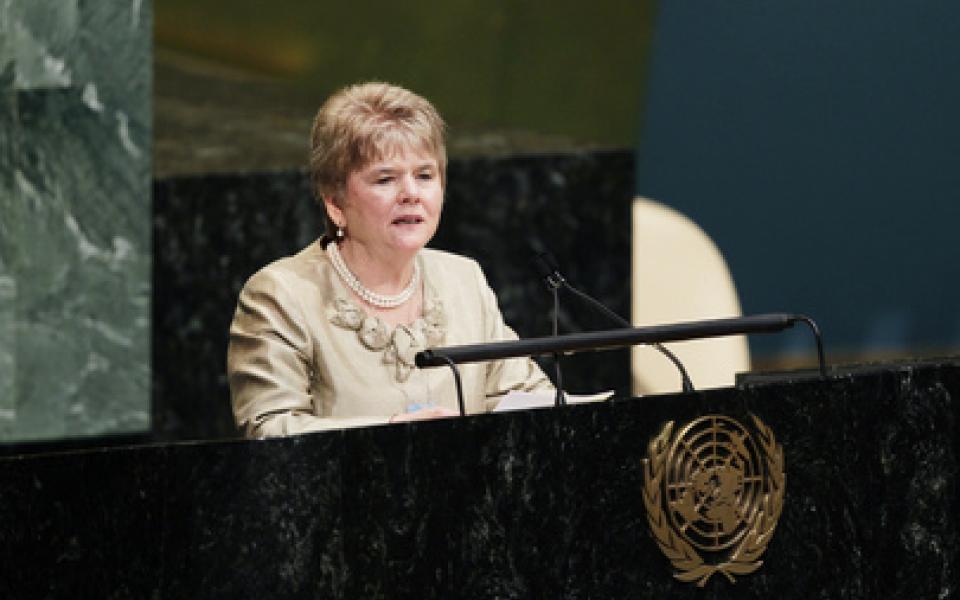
<point>327,338</point>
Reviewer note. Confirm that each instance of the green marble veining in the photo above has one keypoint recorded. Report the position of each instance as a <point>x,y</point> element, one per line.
<point>75,208</point>
<point>7,208</point>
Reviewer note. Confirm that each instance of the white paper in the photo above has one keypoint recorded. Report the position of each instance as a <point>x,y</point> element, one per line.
<point>543,399</point>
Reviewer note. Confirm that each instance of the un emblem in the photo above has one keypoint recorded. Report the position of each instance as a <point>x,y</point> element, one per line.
<point>714,488</point>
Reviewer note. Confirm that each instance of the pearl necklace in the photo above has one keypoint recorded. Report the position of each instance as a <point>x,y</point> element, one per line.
<point>378,300</point>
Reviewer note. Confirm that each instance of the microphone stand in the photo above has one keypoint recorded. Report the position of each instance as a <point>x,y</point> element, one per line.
<point>554,286</point>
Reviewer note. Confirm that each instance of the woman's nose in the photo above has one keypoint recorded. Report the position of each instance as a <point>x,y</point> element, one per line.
<point>409,188</point>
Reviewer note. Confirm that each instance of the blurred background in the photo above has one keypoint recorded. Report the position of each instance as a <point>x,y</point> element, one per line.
<point>817,143</point>
<point>237,83</point>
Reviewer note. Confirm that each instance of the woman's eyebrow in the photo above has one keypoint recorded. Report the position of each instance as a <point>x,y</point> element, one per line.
<point>389,169</point>
<point>383,170</point>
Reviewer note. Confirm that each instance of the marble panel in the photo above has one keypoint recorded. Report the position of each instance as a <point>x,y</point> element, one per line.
<point>533,504</point>
<point>8,223</point>
<point>76,243</point>
<point>102,560</point>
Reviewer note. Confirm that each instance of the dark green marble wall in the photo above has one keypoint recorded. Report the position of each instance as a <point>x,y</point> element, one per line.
<point>75,239</point>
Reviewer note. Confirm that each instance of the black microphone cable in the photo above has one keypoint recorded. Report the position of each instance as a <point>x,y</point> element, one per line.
<point>550,271</point>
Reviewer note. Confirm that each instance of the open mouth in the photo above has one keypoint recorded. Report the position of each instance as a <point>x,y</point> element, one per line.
<point>407,220</point>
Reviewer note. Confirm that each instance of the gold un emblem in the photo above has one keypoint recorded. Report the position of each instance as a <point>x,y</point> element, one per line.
<point>713,494</point>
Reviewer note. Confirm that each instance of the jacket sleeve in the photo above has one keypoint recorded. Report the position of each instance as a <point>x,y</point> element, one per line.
<point>269,364</point>
<point>510,374</point>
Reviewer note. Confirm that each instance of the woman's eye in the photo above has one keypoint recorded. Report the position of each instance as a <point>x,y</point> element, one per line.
<point>426,176</point>
<point>384,180</point>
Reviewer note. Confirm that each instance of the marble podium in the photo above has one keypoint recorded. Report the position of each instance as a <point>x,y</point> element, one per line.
<point>537,504</point>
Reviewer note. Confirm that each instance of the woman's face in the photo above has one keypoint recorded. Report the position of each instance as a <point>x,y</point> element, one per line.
<point>392,205</point>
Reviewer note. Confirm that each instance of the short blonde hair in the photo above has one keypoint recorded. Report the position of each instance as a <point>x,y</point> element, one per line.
<point>367,122</point>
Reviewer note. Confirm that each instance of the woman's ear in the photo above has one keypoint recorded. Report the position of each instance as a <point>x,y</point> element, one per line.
<point>333,210</point>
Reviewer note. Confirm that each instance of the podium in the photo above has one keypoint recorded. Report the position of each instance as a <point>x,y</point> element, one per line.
<point>538,504</point>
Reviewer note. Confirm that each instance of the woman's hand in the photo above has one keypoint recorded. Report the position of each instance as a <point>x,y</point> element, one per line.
<point>425,414</point>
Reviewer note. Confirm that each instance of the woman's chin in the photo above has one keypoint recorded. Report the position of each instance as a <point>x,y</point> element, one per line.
<point>411,239</point>
<point>409,245</point>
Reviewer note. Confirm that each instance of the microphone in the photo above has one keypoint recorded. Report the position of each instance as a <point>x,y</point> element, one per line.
<point>554,284</point>
<point>549,270</point>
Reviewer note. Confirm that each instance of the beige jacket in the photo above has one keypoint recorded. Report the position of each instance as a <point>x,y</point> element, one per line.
<point>303,356</point>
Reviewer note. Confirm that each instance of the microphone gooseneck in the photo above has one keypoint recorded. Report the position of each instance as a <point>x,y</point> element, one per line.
<point>457,381</point>
<point>549,270</point>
